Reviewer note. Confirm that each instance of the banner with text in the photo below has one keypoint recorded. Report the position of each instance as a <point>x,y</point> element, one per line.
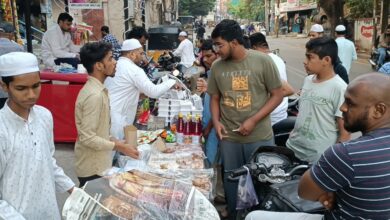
<point>85,4</point>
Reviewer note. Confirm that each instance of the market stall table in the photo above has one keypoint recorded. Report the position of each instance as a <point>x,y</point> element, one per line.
<point>59,93</point>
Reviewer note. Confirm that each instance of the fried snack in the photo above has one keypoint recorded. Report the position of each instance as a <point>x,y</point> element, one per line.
<point>120,208</point>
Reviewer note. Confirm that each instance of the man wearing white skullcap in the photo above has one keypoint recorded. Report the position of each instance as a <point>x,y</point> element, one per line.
<point>127,85</point>
<point>94,147</point>
<point>316,30</point>
<point>29,174</point>
<point>185,51</point>
<point>346,48</point>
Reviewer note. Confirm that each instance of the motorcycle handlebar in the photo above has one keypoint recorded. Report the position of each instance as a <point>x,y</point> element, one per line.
<point>298,170</point>
<point>242,171</point>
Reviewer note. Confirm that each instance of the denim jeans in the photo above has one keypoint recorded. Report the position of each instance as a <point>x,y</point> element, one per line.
<point>382,55</point>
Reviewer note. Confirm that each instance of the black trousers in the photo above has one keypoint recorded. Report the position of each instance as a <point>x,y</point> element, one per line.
<point>84,180</point>
<point>2,102</point>
<point>72,61</point>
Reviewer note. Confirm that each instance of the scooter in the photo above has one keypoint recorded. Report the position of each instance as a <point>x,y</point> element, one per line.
<point>275,173</point>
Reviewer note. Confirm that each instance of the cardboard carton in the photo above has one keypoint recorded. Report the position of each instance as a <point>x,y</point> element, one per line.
<point>131,135</point>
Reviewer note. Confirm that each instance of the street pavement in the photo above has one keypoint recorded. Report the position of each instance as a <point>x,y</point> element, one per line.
<point>292,50</point>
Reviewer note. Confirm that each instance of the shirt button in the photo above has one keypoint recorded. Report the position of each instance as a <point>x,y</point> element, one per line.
<point>32,133</point>
<point>35,143</point>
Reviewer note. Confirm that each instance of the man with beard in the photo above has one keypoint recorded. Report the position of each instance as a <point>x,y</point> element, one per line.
<point>57,45</point>
<point>352,179</point>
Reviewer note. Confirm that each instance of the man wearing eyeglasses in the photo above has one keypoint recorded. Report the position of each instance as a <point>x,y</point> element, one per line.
<point>124,89</point>
<point>7,45</point>
<point>245,88</point>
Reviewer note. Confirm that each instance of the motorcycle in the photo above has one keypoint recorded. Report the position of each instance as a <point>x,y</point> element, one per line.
<point>168,62</point>
<point>275,173</point>
<point>374,58</point>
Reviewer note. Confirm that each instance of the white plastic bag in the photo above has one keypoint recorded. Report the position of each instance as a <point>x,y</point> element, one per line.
<point>246,194</point>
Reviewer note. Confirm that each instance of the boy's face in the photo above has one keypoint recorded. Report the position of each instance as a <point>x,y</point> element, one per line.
<point>24,90</point>
<point>109,64</point>
<point>209,57</point>
<point>313,64</point>
<point>313,35</point>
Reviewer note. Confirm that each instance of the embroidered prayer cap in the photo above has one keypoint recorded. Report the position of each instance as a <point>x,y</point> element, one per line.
<point>340,28</point>
<point>317,28</point>
<point>183,34</point>
<point>130,44</point>
<point>18,63</point>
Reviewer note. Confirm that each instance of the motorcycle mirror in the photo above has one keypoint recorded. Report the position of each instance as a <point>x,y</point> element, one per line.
<point>175,72</point>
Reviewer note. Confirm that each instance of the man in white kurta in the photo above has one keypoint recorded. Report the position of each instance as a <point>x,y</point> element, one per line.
<point>185,50</point>
<point>57,44</point>
<point>29,175</point>
<point>127,85</point>
<point>346,48</point>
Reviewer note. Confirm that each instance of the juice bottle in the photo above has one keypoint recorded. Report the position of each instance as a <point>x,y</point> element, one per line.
<point>180,130</point>
<point>188,130</point>
<point>197,134</point>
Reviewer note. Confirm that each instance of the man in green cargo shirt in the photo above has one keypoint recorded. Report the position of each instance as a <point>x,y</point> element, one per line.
<point>245,88</point>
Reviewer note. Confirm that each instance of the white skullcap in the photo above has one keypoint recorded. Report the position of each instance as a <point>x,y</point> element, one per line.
<point>18,63</point>
<point>183,34</point>
<point>131,44</point>
<point>340,28</point>
<point>317,28</point>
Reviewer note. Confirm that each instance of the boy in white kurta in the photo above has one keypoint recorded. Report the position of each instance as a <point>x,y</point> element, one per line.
<point>29,175</point>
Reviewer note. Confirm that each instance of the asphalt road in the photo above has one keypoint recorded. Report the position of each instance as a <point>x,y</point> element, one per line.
<point>292,50</point>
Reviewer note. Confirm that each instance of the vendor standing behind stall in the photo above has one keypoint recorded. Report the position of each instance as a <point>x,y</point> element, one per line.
<point>94,148</point>
<point>125,88</point>
<point>29,175</point>
<point>57,45</point>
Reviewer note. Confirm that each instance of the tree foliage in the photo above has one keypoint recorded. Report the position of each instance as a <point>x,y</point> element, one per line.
<point>248,9</point>
<point>360,9</point>
<point>196,7</point>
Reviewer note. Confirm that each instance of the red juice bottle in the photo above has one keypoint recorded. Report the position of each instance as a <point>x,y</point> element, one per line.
<point>197,134</point>
<point>180,130</point>
<point>188,130</point>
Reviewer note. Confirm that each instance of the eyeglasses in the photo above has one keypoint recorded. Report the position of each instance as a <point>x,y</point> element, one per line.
<point>217,47</point>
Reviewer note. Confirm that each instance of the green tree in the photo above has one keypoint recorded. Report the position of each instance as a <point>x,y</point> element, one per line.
<point>196,7</point>
<point>247,9</point>
<point>360,9</point>
<point>334,9</point>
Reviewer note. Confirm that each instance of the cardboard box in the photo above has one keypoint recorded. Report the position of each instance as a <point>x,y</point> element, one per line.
<point>130,135</point>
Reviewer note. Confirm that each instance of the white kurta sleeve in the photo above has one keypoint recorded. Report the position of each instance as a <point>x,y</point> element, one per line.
<point>179,50</point>
<point>145,86</point>
<point>62,182</point>
<point>6,210</point>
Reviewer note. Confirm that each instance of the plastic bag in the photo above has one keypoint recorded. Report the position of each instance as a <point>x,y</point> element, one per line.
<point>143,112</point>
<point>246,194</point>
